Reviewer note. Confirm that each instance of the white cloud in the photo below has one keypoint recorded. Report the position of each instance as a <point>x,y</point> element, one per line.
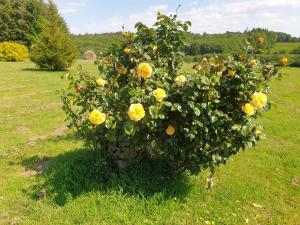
<point>219,17</point>
<point>216,16</point>
<point>71,7</point>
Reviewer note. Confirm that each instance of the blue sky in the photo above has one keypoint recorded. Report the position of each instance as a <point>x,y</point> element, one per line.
<point>211,16</point>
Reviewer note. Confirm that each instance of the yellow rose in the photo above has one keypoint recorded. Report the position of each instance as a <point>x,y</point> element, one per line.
<point>127,51</point>
<point>248,109</point>
<point>101,82</point>
<point>258,100</point>
<point>253,62</point>
<point>180,80</point>
<point>136,112</point>
<point>159,94</point>
<point>231,73</point>
<point>144,70</point>
<point>170,130</point>
<point>96,117</point>
<point>283,61</point>
<point>261,40</point>
<point>258,132</point>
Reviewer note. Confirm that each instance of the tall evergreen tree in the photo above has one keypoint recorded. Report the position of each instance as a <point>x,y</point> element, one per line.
<point>53,48</point>
<point>20,19</point>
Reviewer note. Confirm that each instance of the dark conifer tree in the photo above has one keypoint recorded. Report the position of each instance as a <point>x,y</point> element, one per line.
<point>53,48</point>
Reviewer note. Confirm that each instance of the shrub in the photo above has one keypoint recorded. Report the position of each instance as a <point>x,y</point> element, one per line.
<point>53,49</point>
<point>145,104</point>
<point>89,55</point>
<point>296,51</point>
<point>295,62</point>
<point>12,51</point>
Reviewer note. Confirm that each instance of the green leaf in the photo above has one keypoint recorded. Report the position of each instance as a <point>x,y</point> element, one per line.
<point>153,111</point>
<point>197,111</point>
<point>168,104</point>
<point>129,128</point>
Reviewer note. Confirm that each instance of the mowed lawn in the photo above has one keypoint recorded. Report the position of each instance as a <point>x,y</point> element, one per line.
<point>288,47</point>
<point>47,176</point>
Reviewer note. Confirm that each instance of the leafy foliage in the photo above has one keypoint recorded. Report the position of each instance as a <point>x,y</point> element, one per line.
<point>11,51</point>
<point>296,50</point>
<point>53,49</point>
<point>148,104</point>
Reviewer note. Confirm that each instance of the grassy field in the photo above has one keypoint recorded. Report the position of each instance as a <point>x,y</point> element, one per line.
<point>48,177</point>
<point>287,47</point>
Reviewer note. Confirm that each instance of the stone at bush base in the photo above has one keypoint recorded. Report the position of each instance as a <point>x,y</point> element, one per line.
<point>123,156</point>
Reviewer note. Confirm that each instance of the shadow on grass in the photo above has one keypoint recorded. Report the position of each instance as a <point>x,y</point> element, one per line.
<point>77,172</point>
<point>37,69</point>
<point>32,69</point>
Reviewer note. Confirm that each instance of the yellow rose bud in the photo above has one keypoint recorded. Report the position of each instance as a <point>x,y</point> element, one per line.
<point>125,34</point>
<point>248,109</point>
<point>258,100</point>
<point>180,80</point>
<point>136,112</point>
<point>283,61</point>
<point>231,73</point>
<point>101,82</point>
<point>198,68</point>
<point>261,40</point>
<point>204,60</point>
<point>159,94</point>
<point>127,51</point>
<point>144,70</point>
<point>170,130</point>
<point>96,117</point>
<point>253,62</point>
<point>159,13</point>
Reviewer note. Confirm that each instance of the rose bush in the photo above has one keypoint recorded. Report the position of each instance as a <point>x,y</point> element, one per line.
<point>144,101</point>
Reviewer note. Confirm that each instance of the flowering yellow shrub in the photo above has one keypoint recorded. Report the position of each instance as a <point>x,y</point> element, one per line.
<point>148,103</point>
<point>12,51</point>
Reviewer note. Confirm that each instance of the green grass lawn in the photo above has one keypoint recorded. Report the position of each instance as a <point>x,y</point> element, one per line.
<point>38,157</point>
<point>288,47</point>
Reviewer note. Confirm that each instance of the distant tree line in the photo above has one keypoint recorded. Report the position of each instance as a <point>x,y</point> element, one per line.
<point>96,42</point>
<point>229,42</point>
<point>197,44</point>
<point>284,37</point>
